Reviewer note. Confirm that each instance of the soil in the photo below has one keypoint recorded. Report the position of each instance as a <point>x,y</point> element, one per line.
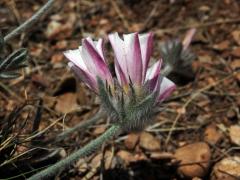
<point>203,109</point>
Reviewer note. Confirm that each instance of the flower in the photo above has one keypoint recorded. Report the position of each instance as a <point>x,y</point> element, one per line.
<point>132,98</point>
<point>132,56</point>
<point>177,55</point>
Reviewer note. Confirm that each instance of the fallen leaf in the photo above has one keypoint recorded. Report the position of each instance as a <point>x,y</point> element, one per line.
<point>236,36</point>
<point>212,135</point>
<point>228,168</point>
<point>235,64</point>
<point>234,133</point>
<point>99,130</point>
<point>194,159</point>
<point>40,80</point>
<point>66,103</point>
<point>56,58</point>
<point>224,45</point>
<point>96,161</point>
<point>236,52</point>
<point>149,142</point>
<point>126,156</point>
<point>131,140</point>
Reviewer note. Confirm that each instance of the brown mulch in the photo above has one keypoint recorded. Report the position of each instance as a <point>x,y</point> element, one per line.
<point>202,109</point>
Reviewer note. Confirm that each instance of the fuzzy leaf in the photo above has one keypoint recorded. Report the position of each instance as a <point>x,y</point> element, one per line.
<point>171,51</point>
<point>138,115</point>
<point>105,99</point>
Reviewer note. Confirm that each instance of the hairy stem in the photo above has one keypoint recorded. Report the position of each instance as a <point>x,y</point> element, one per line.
<point>83,152</point>
<point>30,22</point>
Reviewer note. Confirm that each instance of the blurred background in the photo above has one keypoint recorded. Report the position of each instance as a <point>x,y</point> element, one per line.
<point>200,122</point>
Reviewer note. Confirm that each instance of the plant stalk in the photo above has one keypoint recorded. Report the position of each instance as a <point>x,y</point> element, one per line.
<point>30,22</point>
<point>83,152</point>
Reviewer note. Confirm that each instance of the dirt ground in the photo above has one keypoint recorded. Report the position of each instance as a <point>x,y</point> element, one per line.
<point>197,136</point>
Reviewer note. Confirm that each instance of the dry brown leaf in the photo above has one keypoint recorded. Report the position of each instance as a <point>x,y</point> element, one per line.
<point>194,159</point>
<point>149,142</point>
<point>66,103</point>
<point>131,140</point>
<point>212,135</point>
<point>236,52</point>
<point>224,45</point>
<point>234,133</point>
<point>236,36</point>
<point>228,168</point>
<point>235,64</point>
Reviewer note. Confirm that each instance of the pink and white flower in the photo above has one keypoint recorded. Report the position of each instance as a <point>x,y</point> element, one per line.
<point>132,56</point>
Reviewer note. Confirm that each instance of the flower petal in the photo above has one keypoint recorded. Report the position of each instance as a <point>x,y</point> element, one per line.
<point>146,43</point>
<point>134,57</point>
<point>167,87</point>
<point>120,55</point>
<point>84,76</point>
<point>152,75</point>
<point>98,46</point>
<point>154,70</point>
<point>75,57</point>
<point>120,75</point>
<point>94,60</point>
<point>188,38</point>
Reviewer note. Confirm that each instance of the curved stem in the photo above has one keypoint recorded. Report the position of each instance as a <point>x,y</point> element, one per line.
<point>28,23</point>
<point>85,151</point>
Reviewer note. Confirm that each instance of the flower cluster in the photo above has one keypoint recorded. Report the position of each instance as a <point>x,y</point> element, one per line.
<point>138,90</point>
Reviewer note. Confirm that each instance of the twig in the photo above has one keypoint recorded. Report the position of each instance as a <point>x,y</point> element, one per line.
<point>83,152</point>
<point>174,129</point>
<point>30,22</point>
<point>150,16</point>
<point>12,6</point>
<point>200,25</point>
<point>41,132</point>
<point>78,127</point>
<point>12,93</point>
<point>120,14</point>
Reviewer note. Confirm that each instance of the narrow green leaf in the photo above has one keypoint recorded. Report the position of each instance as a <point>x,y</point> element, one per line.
<point>1,42</point>
<point>9,75</point>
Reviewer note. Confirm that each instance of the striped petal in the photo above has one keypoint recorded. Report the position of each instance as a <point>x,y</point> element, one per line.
<point>75,57</point>
<point>134,57</point>
<point>146,43</point>
<point>84,76</point>
<point>98,46</point>
<point>119,52</point>
<point>120,75</point>
<point>153,73</point>
<point>94,61</point>
<point>154,70</point>
<point>166,89</point>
